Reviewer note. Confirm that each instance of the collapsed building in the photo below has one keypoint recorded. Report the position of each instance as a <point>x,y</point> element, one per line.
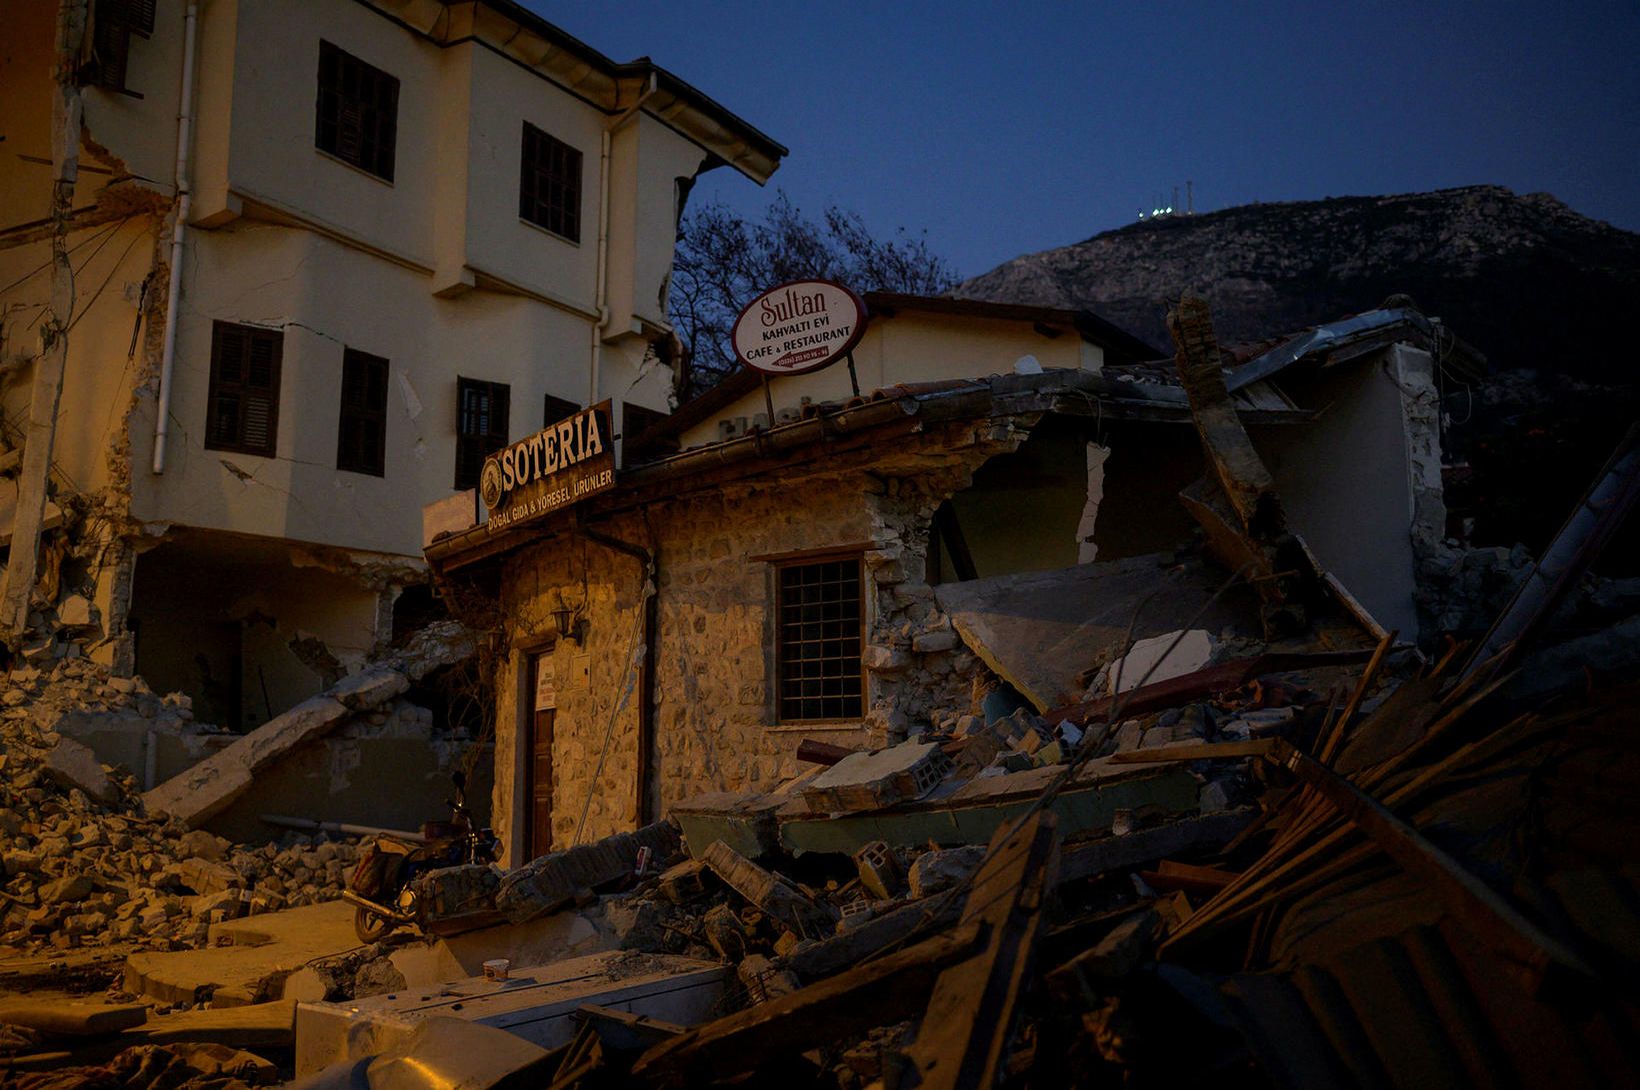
<point>868,569</point>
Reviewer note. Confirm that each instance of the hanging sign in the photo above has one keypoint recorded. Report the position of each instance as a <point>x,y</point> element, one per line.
<point>799,327</point>
<point>559,465</point>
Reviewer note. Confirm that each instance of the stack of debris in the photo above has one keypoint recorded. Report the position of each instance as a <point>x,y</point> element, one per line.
<point>86,865</point>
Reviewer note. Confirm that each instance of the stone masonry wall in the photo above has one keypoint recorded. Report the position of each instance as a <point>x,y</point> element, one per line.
<point>715,728</point>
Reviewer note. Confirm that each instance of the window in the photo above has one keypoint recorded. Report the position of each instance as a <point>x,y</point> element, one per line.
<point>244,396</point>
<point>358,112</point>
<point>635,421</point>
<point>481,426</point>
<point>818,642</point>
<point>361,436</point>
<point>112,24</point>
<point>549,186</point>
<point>556,408</point>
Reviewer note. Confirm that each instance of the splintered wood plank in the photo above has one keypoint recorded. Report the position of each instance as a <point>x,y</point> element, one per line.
<point>969,1019</point>
<point>872,994</point>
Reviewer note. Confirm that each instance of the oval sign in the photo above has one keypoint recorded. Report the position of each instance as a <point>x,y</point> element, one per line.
<point>798,327</point>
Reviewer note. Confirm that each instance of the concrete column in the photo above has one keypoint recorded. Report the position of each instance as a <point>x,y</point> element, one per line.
<point>41,431</point>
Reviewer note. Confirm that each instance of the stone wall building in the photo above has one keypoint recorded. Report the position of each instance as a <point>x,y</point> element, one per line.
<point>683,631</point>
<point>326,257</point>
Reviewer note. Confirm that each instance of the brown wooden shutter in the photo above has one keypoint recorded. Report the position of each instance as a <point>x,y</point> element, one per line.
<point>244,393</point>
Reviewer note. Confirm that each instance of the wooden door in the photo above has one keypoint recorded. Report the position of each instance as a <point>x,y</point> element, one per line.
<point>541,707</point>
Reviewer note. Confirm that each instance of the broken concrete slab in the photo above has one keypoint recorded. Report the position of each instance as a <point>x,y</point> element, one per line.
<point>261,1025</point>
<point>263,951</point>
<point>744,820</point>
<point>1160,658</point>
<point>73,764</point>
<point>1042,631</point>
<point>536,1005</point>
<point>535,943</point>
<point>768,891</point>
<point>971,813</point>
<point>209,787</point>
<point>941,869</point>
<point>868,780</point>
<point>547,884</point>
<point>72,1018</point>
<point>369,688</point>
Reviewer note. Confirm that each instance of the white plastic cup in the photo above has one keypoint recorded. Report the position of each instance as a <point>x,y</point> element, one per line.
<point>496,969</point>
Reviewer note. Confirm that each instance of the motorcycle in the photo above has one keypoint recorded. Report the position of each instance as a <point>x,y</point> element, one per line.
<point>382,887</point>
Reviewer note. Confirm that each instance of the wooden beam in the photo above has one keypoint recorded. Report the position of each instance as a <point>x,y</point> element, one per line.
<point>1539,958</point>
<point>970,1015</point>
<point>1201,751</point>
<point>872,994</point>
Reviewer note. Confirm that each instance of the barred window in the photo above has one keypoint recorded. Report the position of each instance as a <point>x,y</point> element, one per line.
<point>549,186</point>
<point>361,434</point>
<point>357,112</point>
<point>818,642</point>
<point>481,426</point>
<point>244,393</point>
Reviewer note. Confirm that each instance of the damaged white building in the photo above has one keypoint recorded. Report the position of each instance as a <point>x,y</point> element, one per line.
<point>317,262</point>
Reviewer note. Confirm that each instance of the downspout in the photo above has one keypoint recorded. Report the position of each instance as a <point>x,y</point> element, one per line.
<point>173,294</point>
<point>642,801</point>
<point>605,140</point>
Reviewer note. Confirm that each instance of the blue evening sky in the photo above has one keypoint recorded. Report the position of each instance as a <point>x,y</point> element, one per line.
<point>1002,130</point>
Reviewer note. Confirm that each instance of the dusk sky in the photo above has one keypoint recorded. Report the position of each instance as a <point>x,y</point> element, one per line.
<point>1001,131</point>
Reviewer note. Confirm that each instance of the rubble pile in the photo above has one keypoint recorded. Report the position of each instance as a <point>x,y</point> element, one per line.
<point>1057,953</point>
<point>85,865</point>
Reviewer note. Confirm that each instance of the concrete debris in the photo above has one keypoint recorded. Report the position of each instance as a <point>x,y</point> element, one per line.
<point>937,871</point>
<point>85,865</point>
<point>868,781</point>
<point>209,787</point>
<point>555,880</point>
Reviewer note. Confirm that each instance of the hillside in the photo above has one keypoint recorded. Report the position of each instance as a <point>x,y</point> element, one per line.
<point>1525,279</point>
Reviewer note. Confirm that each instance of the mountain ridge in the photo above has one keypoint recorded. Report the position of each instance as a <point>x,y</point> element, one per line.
<point>1527,279</point>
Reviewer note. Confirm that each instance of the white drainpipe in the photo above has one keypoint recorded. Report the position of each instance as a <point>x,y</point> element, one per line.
<point>602,287</point>
<point>185,114</point>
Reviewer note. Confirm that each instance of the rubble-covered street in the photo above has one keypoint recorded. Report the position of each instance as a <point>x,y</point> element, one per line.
<point>512,576</point>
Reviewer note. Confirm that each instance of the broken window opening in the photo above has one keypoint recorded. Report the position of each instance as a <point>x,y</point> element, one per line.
<point>243,402</point>
<point>481,426</point>
<point>357,112</point>
<point>818,640</point>
<point>361,433</point>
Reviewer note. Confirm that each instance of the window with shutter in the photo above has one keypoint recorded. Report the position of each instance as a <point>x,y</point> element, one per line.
<point>481,426</point>
<point>557,408</point>
<point>549,186</point>
<point>357,112</point>
<point>361,434</point>
<point>243,413</point>
<point>112,24</point>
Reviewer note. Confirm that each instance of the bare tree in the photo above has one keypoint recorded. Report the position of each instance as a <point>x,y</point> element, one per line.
<point>724,260</point>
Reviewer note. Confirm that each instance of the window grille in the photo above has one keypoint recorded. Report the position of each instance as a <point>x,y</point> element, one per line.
<point>361,434</point>
<point>818,642</point>
<point>549,186</point>
<point>357,112</point>
<point>244,392</point>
